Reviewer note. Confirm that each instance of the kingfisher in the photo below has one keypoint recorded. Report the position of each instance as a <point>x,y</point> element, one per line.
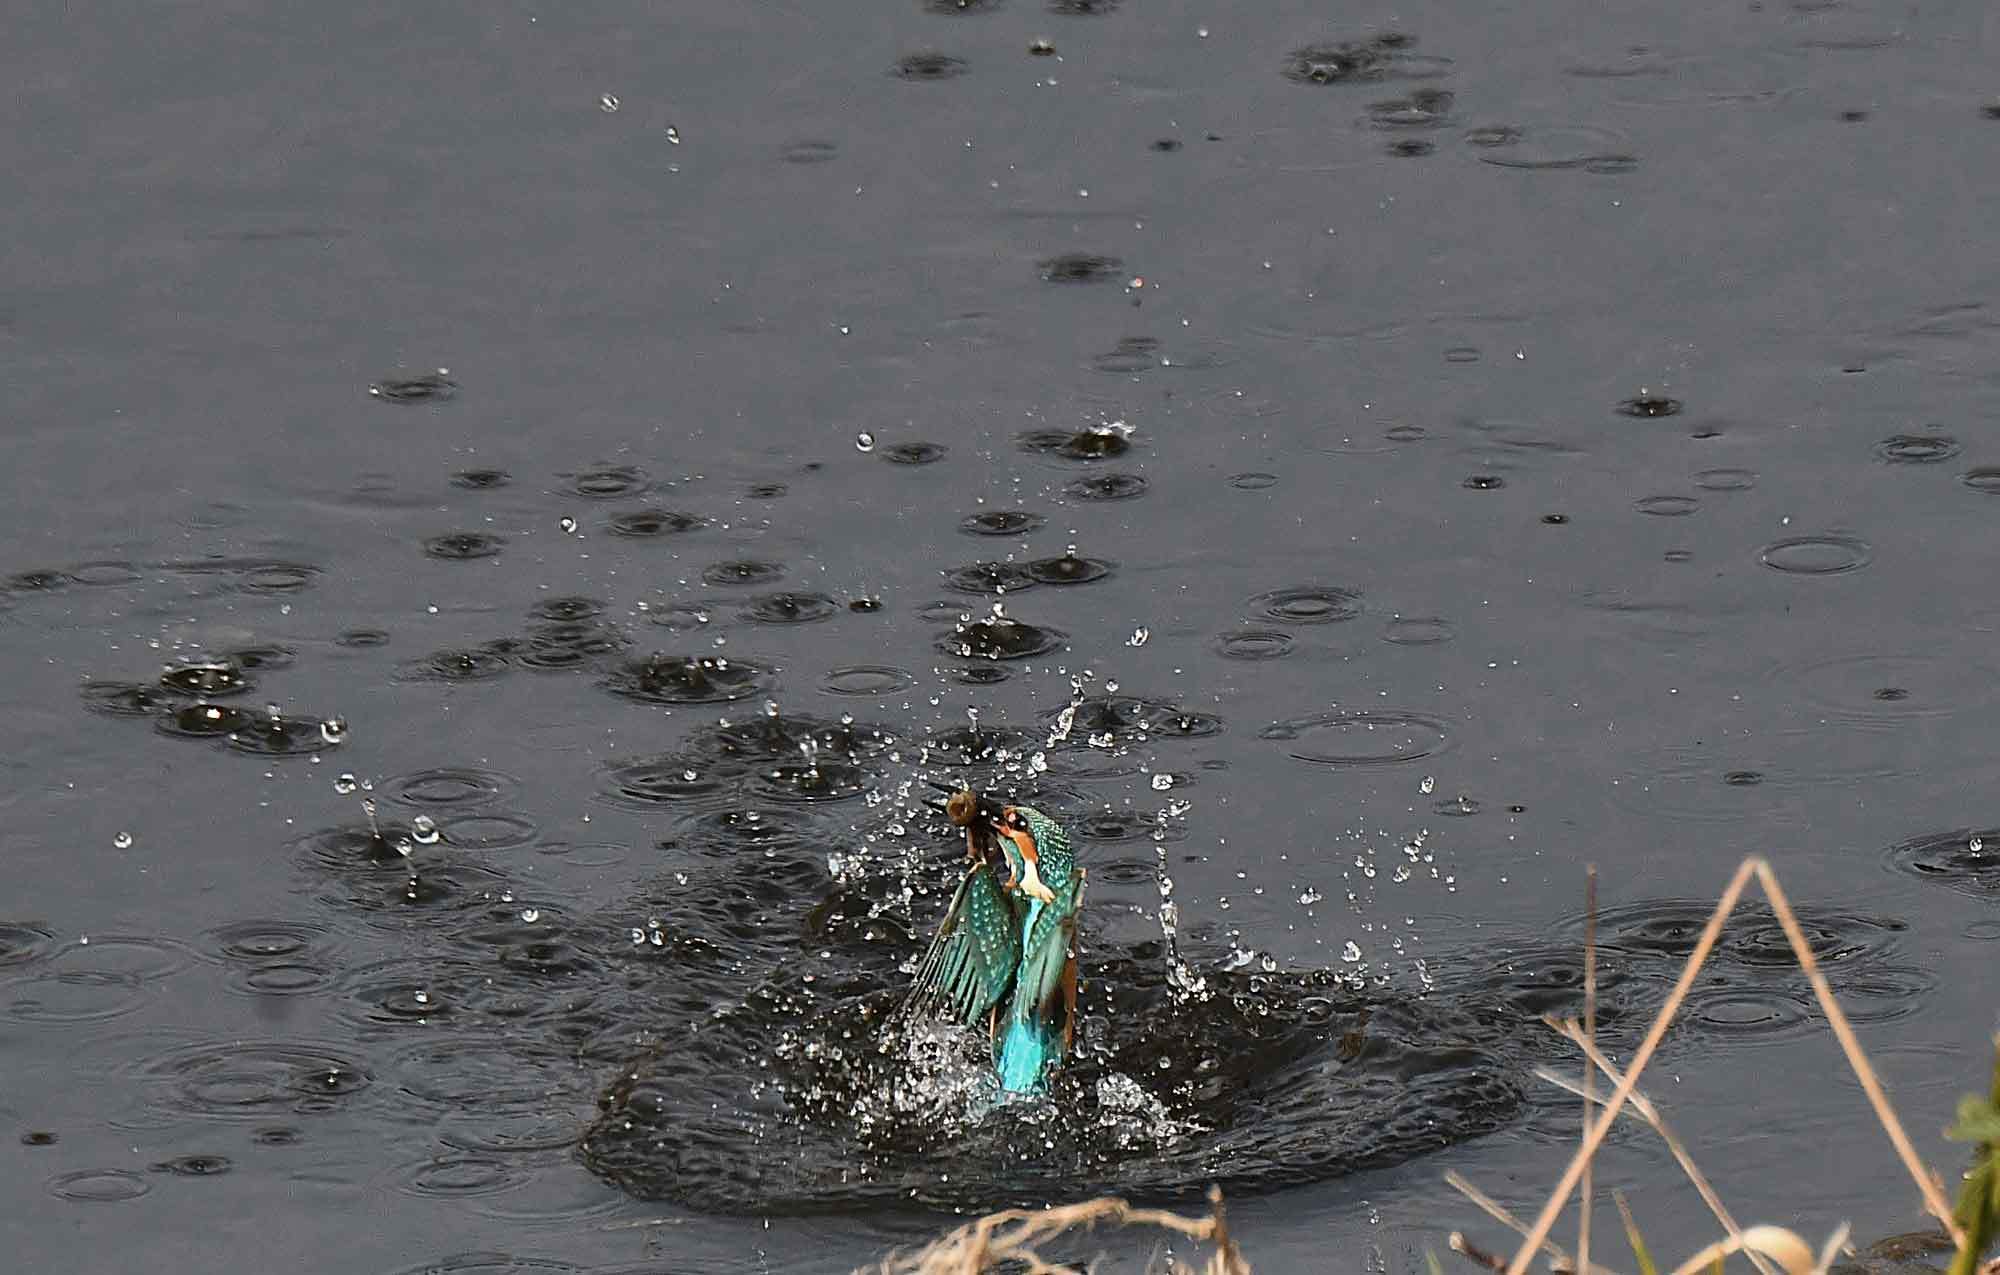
<point>1005,955</point>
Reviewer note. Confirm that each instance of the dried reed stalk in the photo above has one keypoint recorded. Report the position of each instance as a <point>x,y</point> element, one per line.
<point>1011,1236</point>
<point>1586,1192</point>
<point>1927,1183</point>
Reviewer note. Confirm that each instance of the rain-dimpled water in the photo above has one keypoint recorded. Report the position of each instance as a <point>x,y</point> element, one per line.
<point>512,514</point>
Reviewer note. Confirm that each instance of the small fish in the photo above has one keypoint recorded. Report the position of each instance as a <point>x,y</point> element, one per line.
<point>1005,954</point>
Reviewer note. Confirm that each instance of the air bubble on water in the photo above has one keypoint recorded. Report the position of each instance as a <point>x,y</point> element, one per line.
<point>673,135</point>
<point>864,442</point>
<point>424,830</point>
<point>333,730</point>
<point>123,841</point>
<point>608,103</point>
<point>1974,845</point>
<point>1162,782</point>
<point>1428,786</point>
<point>1351,953</point>
<point>1310,896</point>
<point>690,775</point>
<point>506,896</point>
<point>638,937</point>
<point>1111,688</point>
<point>1139,636</point>
<point>344,783</point>
<point>531,915</point>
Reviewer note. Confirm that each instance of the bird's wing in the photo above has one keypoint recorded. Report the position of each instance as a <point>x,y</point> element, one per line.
<point>970,965</point>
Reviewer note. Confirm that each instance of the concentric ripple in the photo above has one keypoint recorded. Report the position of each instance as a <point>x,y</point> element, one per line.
<point>1106,487</point>
<point>608,482</point>
<point>98,1186</point>
<point>1132,718</point>
<point>1000,638</point>
<point>1382,57</point>
<point>1966,860</point>
<point>1917,449</point>
<point>129,699</point>
<point>1001,522</point>
<point>1081,267</point>
<point>447,788</point>
<point>743,572</point>
<point>252,1080</point>
<point>1874,689</point>
<point>461,545</point>
<point>429,387</point>
<point>1069,569</point>
<point>1085,444</point>
<point>989,578</point>
<point>1254,644</point>
<point>646,524</point>
<point>789,607</point>
<point>1360,738</point>
<point>913,453</point>
<point>457,664</point>
<point>1816,555</point>
<point>689,679</point>
<point>1309,604</point>
<point>867,680</point>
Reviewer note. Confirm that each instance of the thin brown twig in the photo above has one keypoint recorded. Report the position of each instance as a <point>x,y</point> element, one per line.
<point>1755,865</point>
<point>1654,1034</point>
<point>1010,1236</point>
<point>1864,1072</point>
<point>1466,1248</point>
<point>1646,1111</point>
<point>1586,1192</point>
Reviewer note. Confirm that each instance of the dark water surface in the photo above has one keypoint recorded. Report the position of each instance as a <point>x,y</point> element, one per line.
<point>580,472</point>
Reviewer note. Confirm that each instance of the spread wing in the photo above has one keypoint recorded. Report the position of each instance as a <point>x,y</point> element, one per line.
<point>969,967</point>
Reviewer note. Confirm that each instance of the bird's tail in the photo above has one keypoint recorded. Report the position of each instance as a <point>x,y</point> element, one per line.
<point>1027,1052</point>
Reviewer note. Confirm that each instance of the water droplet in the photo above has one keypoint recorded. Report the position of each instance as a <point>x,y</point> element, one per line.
<point>1139,636</point>
<point>531,915</point>
<point>123,841</point>
<point>424,829</point>
<point>673,135</point>
<point>568,525</point>
<point>1351,952</point>
<point>1162,782</point>
<point>333,730</point>
<point>1429,785</point>
<point>864,442</point>
<point>608,103</point>
<point>345,783</point>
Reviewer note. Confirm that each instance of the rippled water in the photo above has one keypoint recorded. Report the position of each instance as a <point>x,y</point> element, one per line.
<point>509,507</point>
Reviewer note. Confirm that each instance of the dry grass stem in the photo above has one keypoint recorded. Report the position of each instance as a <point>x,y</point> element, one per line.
<point>1558,1259</point>
<point>1651,1115</point>
<point>1927,1183</point>
<point>1586,1190</point>
<point>1012,1237</point>
<point>1466,1248</point>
